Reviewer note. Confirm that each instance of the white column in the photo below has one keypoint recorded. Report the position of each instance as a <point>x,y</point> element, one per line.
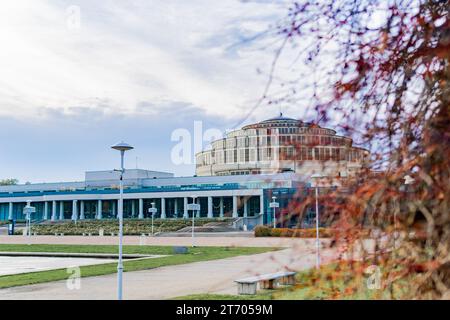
<point>10,211</point>
<point>221,207</point>
<point>176,207</point>
<point>133,208</point>
<point>210,207</point>
<point>74,210</point>
<point>53,211</point>
<point>61,210</point>
<point>235,205</point>
<point>163,208</point>
<point>113,208</point>
<point>185,203</point>
<point>141,209</point>
<point>45,214</point>
<point>197,212</point>
<point>81,210</point>
<point>99,209</point>
<point>261,205</point>
<point>245,207</point>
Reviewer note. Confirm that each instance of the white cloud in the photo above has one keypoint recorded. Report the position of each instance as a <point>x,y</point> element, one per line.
<point>129,52</point>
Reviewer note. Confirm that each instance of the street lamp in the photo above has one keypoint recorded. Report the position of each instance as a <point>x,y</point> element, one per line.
<point>193,207</point>
<point>152,210</point>
<point>122,147</point>
<point>274,204</point>
<point>316,177</point>
<point>27,211</point>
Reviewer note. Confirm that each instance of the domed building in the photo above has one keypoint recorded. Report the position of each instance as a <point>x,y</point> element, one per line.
<point>238,177</point>
<point>282,144</point>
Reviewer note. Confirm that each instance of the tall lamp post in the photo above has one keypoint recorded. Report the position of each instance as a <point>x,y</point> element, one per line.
<point>122,147</point>
<point>152,210</point>
<point>27,211</point>
<point>194,207</point>
<point>315,177</point>
<point>274,204</point>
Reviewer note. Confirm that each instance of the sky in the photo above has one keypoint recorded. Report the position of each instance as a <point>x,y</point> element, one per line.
<point>78,76</point>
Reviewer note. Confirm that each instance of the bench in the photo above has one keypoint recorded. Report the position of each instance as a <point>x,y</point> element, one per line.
<point>266,281</point>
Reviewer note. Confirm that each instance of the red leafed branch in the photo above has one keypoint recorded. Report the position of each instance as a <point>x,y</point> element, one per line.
<point>389,83</point>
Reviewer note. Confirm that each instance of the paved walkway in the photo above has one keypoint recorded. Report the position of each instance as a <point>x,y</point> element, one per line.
<point>162,241</point>
<point>16,265</point>
<point>167,282</point>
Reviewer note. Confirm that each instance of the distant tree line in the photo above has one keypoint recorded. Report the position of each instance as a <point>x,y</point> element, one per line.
<point>9,182</point>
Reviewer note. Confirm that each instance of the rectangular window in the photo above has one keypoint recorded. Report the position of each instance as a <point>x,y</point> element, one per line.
<point>342,154</point>
<point>252,154</point>
<point>327,153</point>
<point>316,154</point>
<point>290,153</point>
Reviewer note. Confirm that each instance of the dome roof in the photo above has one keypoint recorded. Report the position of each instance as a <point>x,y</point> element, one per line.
<point>280,118</point>
<point>279,121</point>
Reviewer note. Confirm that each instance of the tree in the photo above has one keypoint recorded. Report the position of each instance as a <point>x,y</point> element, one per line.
<point>8,182</point>
<point>387,78</point>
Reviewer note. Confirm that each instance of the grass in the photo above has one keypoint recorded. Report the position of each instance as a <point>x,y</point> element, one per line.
<point>206,296</point>
<point>343,281</point>
<point>194,255</point>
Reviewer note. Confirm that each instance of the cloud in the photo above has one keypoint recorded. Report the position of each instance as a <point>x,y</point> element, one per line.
<point>198,52</point>
<point>134,71</point>
<point>62,146</point>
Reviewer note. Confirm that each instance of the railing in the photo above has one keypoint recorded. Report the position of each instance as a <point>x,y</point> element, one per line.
<point>249,222</point>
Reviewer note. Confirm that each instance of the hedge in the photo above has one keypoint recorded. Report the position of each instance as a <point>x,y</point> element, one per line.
<point>263,231</point>
<point>130,227</point>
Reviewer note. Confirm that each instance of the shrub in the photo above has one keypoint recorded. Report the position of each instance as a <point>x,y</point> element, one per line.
<point>130,226</point>
<point>263,231</point>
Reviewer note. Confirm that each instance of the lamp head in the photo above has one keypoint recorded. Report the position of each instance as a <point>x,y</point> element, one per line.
<point>122,146</point>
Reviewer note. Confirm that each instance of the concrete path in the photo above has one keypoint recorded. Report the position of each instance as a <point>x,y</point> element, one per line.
<point>167,282</point>
<point>161,241</point>
<point>16,265</point>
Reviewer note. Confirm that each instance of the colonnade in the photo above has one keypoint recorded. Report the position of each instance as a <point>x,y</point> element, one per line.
<point>55,209</point>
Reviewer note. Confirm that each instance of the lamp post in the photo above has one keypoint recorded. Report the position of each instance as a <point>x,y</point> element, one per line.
<point>152,210</point>
<point>316,177</point>
<point>274,204</point>
<point>122,147</point>
<point>193,207</point>
<point>27,211</point>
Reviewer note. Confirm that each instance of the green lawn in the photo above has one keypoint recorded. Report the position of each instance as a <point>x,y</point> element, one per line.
<point>194,255</point>
<point>206,296</point>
